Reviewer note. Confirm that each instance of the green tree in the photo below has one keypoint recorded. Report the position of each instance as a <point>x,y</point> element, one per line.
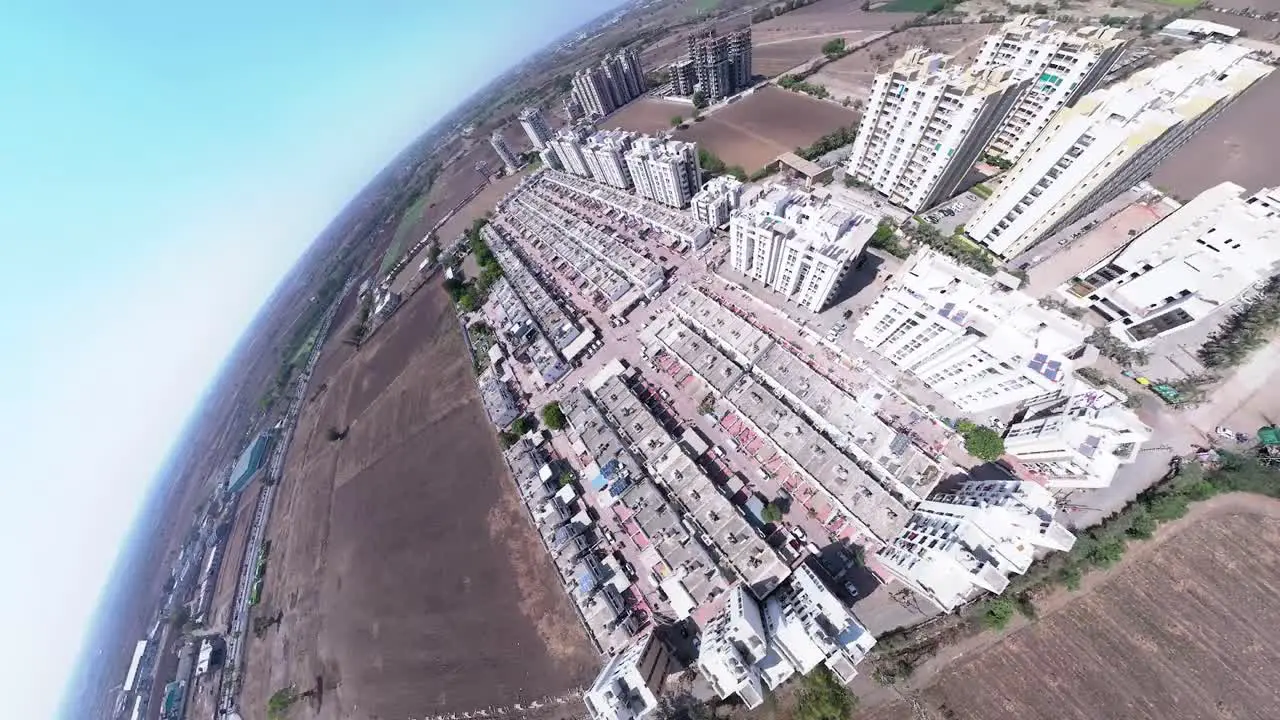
<point>834,48</point>
<point>710,163</point>
<point>699,100</point>
<point>566,478</point>
<point>521,426</point>
<point>981,441</point>
<point>552,416</point>
<point>280,702</point>
<point>772,513</point>
<point>468,302</point>
<point>676,120</point>
<point>998,612</point>
<point>822,697</point>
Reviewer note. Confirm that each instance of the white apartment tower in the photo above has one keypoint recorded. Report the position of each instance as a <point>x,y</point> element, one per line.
<point>1076,439</point>
<point>605,153</point>
<point>719,197</point>
<point>551,158</point>
<point>500,146</point>
<point>807,625</point>
<point>801,244</point>
<point>665,171</point>
<point>568,145</point>
<point>1109,140</point>
<point>960,543</point>
<point>628,685</point>
<point>1062,65</point>
<point>535,126</point>
<point>926,123</point>
<point>591,91</point>
<point>1209,254</point>
<point>732,643</point>
<point>971,338</point>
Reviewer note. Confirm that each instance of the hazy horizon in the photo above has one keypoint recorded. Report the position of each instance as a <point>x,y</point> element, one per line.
<point>169,165</point>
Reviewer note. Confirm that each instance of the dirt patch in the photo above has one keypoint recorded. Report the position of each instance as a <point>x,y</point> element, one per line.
<point>408,577</point>
<point>1236,146</point>
<point>752,131</point>
<point>851,76</point>
<point>648,115</point>
<point>1179,629</point>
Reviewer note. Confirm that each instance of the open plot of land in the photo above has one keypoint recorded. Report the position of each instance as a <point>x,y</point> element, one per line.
<point>1237,146</point>
<point>851,76</point>
<point>648,115</point>
<point>752,131</point>
<point>1184,628</point>
<point>409,581</point>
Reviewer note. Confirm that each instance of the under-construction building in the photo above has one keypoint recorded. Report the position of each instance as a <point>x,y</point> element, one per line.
<point>721,63</point>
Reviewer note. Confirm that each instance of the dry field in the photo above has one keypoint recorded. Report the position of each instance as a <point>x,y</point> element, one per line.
<point>1236,146</point>
<point>410,582</point>
<point>647,115</point>
<point>750,132</point>
<point>851,76</point>
<point>1182,629</point>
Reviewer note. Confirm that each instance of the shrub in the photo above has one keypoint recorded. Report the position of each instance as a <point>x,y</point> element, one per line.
<point>553,417</point>
<point>981,441</point>
<point>997,613</point>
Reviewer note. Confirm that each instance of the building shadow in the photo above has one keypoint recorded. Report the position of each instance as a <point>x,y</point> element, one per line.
<point>861,277</point>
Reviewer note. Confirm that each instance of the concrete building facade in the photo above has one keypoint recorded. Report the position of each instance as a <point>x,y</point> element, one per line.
<point>1062,65</point>
<point>605,153</point>
<point>717,200</point>
<point>536,127</point>
<point>1077,438</point>
<point>926,123</point>
<point>628,685</point>
<point>1108,141</point>
<point>501,147</point>
<point>800,243</point>
<point>973,339</point>
<point>732,643</point>
<point>664,170</point>
<point>592,93</point>
<point>1198,262</point>
<point>961,543</point>
<point>568,147</point>
<point>720,64</point>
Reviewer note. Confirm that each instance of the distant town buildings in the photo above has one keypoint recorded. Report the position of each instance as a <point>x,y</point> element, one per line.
<point>926,123</point>
<point>720,65</point>
<point>600,89</point>
<point>501,147</point>
<point>1062,65</point>
<point>973,339</point>
<point>1077,438</point>
<point>627,687</point>
<point>664,170</point>
<point>1197,262</point>
<point>799,243</point>
<point>960,543</point>
<point>535,126</point>
<point>717,200</point>
<point>1108,141</point>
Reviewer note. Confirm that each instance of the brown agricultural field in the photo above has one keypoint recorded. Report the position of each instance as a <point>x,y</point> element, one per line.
<point>409,579</point>
<point>851,76</point>
<point>750,132</point>
<point>648,115</point>
<point>1237,146</point>
<point>1184,628</point>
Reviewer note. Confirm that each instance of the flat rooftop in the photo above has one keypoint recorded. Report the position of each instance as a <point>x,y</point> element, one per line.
<point>551,318</point>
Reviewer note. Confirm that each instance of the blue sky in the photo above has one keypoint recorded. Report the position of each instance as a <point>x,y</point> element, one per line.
<point>161,166</point>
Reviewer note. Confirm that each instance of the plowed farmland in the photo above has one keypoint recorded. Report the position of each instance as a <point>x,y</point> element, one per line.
<point>1185,628</point>
<point>409,581</point>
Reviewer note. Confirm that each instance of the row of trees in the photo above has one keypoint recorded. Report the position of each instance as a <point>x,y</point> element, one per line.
<point>1112,347</point>
<point>713,166</point>
<point>770,12</point>
<point>796,83</point>
<point>833,140</point>
<point>1245,330</point>
<point>962,252</point>
<point>835,49</point>
<point>471,294</point>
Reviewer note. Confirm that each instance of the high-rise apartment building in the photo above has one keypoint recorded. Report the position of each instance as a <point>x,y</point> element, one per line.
<point>925,124</point>
<point>960,543</point>
<point>568,146</point>
<point>626,78</point>
<point>1062,65</point>
<point>733,642</point>
<point>628,685</point>
<point>799,243</point>
<point>665,171</point>
<point>605,153</point>
<point>550,158</point>
<point>1109,140</point>
<point>1199,261</point>
<point>501,147</point>
<point>573,108</point>
<point>535,126</point>
<point>721,64</point>
<point>971,338</point>
<point>684,77</point>
<point>1077,438</point>
<point>717,200</point>
<point>591,91</point>
<point>807,626</point>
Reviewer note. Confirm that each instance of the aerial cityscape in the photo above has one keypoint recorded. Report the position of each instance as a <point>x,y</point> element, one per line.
<point>806,359</point>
